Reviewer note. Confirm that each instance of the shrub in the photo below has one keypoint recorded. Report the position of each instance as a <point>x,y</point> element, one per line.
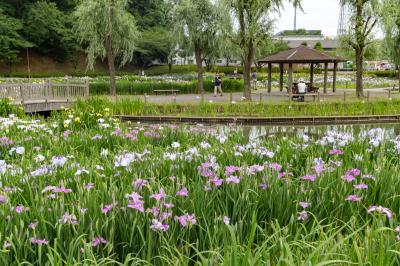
<point>6,108</point>
<point>383,74</point>
<point>141,87</point>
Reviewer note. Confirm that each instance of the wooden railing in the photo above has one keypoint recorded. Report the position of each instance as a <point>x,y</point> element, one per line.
<point>24,92</point>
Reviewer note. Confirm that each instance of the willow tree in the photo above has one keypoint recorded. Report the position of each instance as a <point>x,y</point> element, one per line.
<point>197,23</point>
<point>250,26</point>
<point>390,13</point>
<point>364,20</point>
<point>109,31</point>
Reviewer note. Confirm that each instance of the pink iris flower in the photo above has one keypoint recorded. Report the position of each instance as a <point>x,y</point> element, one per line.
<point>183,192</point>
<point>381,210</point>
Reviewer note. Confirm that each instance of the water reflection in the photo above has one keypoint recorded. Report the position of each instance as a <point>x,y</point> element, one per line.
<point>390,131</point>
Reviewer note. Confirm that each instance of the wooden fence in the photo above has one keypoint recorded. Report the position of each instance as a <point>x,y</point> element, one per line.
<point>25,92</point>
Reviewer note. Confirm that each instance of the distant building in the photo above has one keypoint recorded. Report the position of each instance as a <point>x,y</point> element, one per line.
<point>309,37</point>
<point>379,65</point>
<point>191,60</point>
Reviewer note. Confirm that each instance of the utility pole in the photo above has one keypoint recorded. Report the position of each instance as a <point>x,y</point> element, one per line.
<point>295,17</point>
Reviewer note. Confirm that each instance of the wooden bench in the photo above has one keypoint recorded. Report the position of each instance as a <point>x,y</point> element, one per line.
<point>166,91</point>
<point>314,95</point>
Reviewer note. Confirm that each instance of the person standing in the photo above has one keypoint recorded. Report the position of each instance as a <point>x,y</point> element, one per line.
<point>254,78</point>
<point>217,84</point>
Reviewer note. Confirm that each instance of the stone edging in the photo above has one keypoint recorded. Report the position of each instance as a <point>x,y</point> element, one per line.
<point>327,120</point>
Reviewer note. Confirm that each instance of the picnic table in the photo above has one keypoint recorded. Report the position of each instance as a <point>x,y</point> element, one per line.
<point>166,91</point>
<point>311,92</point>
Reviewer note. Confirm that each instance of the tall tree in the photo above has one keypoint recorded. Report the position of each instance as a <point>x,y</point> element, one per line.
<point>197,23</point>
<point>364,21</point>
<point>391,27</point>
<point>250,26</point>
<point>109,30</point>
<point>153,18</point>
<point>269,47</point>
<point>46,27</point>
<point>11,41</point>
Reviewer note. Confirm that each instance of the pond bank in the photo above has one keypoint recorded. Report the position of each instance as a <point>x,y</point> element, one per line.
<point>310,120</point>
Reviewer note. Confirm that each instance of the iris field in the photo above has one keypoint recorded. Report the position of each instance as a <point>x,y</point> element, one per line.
<point>81,188</point>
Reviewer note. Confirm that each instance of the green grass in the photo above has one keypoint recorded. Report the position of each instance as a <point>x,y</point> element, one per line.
<point>137,107</point>
<point>263,230</point>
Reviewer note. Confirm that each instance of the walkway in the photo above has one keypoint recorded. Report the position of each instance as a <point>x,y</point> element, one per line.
<point>261,95</point>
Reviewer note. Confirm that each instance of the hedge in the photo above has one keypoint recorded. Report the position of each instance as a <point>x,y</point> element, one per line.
<point>151,71</point>
<point>125,87</point>
<point>383,74</point>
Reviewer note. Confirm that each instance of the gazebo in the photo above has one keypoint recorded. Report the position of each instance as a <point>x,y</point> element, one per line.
<point>301,55</point>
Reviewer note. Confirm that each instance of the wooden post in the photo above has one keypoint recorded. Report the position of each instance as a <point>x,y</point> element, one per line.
<point>231,97</point>
<point>290,80</point>
<point>174,99</point>
<point>312,75</point>
<point>30,92</point>
<point>344,96</point>
<point>21,92</point>
<point>47,89</point>
<point>368,95</point>
<point>281,77</point>
<point>335,65</point>
<point>326,78</point>
<point>145,98</point>
<point>202,97</point>
<point>86,92</point>
<point>390,93</point>
<point>319,97</point>
<point>260,98</point>
<point>68,89</point>
<point>269,77</point>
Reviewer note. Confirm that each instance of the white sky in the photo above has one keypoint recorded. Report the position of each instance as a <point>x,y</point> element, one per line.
<point>318,15</point>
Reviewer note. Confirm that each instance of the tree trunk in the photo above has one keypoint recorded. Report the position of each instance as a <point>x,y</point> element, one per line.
<point>199,62</point>
<point>111,67</point>
<point>359,77</point>
<point>398,74</point>
<point>170,67</point>
<point>246,77</point>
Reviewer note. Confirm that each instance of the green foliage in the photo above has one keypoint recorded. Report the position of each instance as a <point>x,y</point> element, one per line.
<point>155,44</point>
<point>102,21</point>
<point>142,87</point>
<point>11,41</point>
<point>126,106</point>
<point>197,22</point>
<point>6,108</point>
<point>89,164</point>
<point>390,13</point>
<point>270,47</point>
<point>318,46</point>
<point>300,32</point>
<point>150,13</point>
<point>46,26</point>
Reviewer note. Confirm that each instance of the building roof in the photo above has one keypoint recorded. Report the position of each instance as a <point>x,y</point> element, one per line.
<point>326,44</point>
<point>301,55</point>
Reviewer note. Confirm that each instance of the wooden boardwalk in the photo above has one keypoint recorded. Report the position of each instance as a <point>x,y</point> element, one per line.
<point>47,96</point>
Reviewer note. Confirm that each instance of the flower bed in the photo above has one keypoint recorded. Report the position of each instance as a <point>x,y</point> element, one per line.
<point>81,188</point>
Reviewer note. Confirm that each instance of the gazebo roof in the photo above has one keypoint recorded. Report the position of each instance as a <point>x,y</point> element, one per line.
<point>301,55</point>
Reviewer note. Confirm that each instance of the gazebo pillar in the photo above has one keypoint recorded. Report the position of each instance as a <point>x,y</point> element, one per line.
<point>312,74</point>
<point>335,65</point>
<point>281,77</point>
<point>326,78</point>
<point>290,79</point>
<point>269,77</point>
